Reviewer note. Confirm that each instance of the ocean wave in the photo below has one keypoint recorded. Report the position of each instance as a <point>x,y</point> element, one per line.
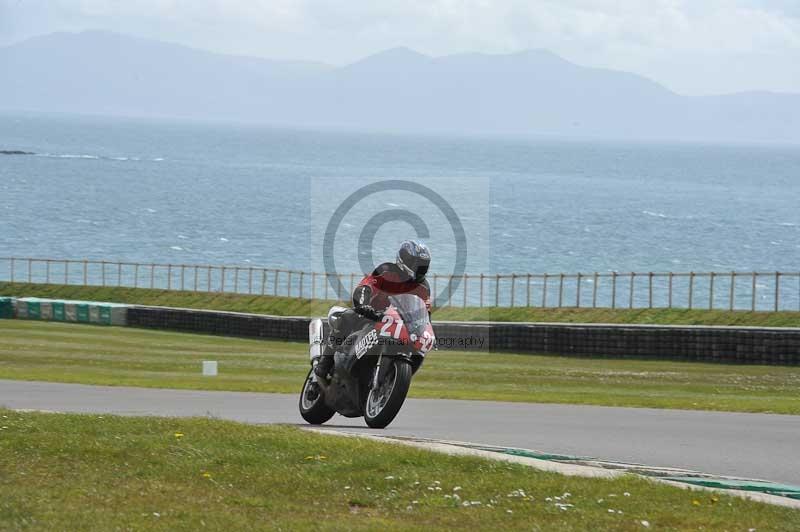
<point>655,214</point>
<point>66,156</point>
<point>93,157</point>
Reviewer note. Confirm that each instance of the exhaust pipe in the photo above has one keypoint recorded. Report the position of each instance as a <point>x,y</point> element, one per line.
<point>315,339</point>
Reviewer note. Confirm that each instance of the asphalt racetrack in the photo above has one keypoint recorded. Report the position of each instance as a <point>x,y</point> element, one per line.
<point>755,446</point>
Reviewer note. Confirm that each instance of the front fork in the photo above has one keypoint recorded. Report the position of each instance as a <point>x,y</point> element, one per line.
<point>382,368</point>
<point>377,372</point>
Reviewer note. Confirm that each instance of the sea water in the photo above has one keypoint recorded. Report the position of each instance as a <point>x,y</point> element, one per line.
<point>201,193</point>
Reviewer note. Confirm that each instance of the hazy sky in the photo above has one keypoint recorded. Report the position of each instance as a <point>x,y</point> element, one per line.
<point>691,46</point>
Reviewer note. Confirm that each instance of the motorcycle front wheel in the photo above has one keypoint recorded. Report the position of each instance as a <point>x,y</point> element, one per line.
<point>312,404</point>
<point>384,402</point>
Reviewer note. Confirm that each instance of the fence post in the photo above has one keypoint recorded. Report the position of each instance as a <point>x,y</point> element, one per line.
<point>560,289</point>
<point>208,279</point>
<point>263,281</point>
<point>195,278</point>
<point>85,271</point>
<point>513,287</point>
<point>29,271</point>
<point>482,289</point>
<point>777,290</point>
<point>222,281</point>
<point>650,290</point>
<point>731,298</point>
<point>235,279</point>
<point>47,272</point>
<point>435,282</point>
<point>250,280</point>
<point>630,291</point>
<point>595,281</point>
<point>302,275</point>
<point>289,283</point>
<point>183,277</point>
<point>497,290</point>
<point>464,305</point>
<point>326,285</point>
<point>711,292</point>
<point>119,274</point>
<point>578,292</point>
<point>670,289</point>
<point>152,275</point>
<point>276,273</point>
<point>66,272</point>
<point>353,283</point>
<point>169,276</point>
<point>103,274</point>
<point>614,289</point>
<point>544,291</point>
<point>313,285</point>
<point>753,294</point>
<point>136,275</point>
<point>13,264</point>
<point>528,291</point>
<point>691,289</point>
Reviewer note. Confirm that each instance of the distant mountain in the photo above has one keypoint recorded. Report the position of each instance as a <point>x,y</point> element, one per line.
<point>108,73</point>
<point>531,92</point>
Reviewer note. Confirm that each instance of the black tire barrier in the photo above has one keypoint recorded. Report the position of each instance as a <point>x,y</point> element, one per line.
<point>220,323</point>
<point>741,345</point>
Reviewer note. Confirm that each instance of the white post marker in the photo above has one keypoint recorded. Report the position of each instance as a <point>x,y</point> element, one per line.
<point>210,368</point>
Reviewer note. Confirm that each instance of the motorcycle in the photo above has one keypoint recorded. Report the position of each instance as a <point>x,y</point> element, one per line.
<point>372,371</point>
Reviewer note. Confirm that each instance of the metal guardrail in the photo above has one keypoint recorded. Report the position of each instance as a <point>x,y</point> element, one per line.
<point>764,291</point>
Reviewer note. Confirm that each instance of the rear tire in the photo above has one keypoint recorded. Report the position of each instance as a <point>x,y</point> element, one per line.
<point>377,416</point>
<point>315,412</point>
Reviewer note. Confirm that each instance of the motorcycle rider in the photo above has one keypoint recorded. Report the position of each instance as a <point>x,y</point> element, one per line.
<point>371,297</point>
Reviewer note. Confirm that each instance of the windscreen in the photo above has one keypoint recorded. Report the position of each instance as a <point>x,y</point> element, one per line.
<point>413,311</point>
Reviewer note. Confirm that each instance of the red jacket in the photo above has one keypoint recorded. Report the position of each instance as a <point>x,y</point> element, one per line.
<point>387,279</point>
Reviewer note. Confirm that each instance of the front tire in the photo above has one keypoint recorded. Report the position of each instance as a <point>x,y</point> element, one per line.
<point>384,403</point>
<point>314,411</point>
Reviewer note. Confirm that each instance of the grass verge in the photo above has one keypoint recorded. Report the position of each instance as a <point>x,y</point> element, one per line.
<point>137,357</point>
<point>286,306</point>
<point>82,472</point>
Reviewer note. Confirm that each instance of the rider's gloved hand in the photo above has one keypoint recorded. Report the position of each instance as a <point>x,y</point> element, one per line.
<point>369,312</point>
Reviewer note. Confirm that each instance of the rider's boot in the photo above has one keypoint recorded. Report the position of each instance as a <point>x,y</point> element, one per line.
<point>324,365</point>
<point>322,369</point>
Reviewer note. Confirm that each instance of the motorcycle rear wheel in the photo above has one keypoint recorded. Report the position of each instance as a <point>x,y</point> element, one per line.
<point>384,402</point>
<point>315,412</point>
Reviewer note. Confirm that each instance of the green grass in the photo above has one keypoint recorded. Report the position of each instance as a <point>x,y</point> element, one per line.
<point>89,472</point>
<point>48,351</point>
<point>285,306</point>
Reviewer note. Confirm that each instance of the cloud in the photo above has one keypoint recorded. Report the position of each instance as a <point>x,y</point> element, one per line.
<point>643,36</point>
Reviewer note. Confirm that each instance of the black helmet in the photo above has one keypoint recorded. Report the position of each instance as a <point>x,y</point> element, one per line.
<point>414,258</point>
